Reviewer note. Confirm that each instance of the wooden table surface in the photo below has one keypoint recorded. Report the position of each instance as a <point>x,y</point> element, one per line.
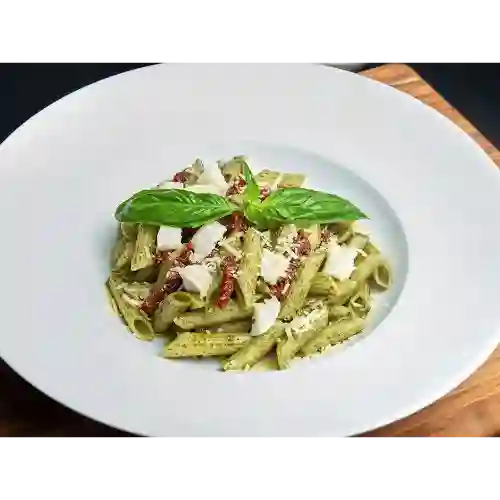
<point>473,409</point>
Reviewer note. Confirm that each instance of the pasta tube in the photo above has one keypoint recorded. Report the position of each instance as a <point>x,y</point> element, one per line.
<point>291,180</point>
<point>255,350</point>
<point>333,334</point>
<point>174,304</point>
<point>122,253</point>
<point>299,332</point>
<point>358,278</point>
<point>249,267</point>
<point>129,230</point>
<point>190,344</point>
<point>243,326</point>
<point>233,168</point>
<point>267,178</point>
<point>144,252</point>
<point>300,285</point>
<point>137,322</point>
<point>213,316</point>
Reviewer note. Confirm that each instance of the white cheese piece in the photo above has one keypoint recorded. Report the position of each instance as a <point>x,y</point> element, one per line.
<point>170,185</point>
<point>212,175</point>
<point>340,260</point>
<point>169,238</point>
<point>265,315</point>
<point>195,278</point>
<point>206,238</point>
<point>208,188</point>
<point>273,266</point>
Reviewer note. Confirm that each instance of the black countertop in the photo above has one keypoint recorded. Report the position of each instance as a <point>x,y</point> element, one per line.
<point>474,89</point>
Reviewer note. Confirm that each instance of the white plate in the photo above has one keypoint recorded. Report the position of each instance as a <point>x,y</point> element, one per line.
<point>434,199</point>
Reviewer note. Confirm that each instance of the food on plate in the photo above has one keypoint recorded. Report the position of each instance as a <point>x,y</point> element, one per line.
<point>253,269</point>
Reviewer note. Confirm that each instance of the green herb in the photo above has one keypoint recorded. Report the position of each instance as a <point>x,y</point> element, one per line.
<point>301,207</point>
<point>183,208</point>
<point>173,207</point>
<point>252,191</point>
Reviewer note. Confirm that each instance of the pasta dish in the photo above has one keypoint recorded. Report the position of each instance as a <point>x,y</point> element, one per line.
<point>254,269</point>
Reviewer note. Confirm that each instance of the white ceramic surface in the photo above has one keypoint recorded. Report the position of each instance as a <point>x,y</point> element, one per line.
<point>432,193</point>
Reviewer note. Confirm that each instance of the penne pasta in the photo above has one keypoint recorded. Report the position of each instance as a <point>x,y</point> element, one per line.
<point>192,344</point>
<point>144,251</point>
<point>249,267</point>
<point>137,322</point>
<point>213,316</point>
<point>172,306</point>
<point>299,334</point>
<point>300,286</point>
<point>255,350</point>
<point>334,333</point>
<point>254,269</point>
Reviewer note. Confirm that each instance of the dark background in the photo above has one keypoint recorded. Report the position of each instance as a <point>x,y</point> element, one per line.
<point>474,89</point>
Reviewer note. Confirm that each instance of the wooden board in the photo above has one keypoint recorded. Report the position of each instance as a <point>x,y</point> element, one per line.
<point>473,409</point>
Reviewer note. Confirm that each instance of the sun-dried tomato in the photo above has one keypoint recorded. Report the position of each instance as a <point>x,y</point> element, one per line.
<point>281,288</point>
<point>325,235</point>
<point>172,283</point>
<point>168,281</point>
<point>237,223</point>
<point>265,191</point>
<point>180,177</point>
<point>303,245</point>
<point>237,187</point>
<point>229,267</point>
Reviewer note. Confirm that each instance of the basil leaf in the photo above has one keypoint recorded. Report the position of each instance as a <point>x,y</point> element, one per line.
<point>302,207</point>
<point>173,207</point>
<point>252,191</point>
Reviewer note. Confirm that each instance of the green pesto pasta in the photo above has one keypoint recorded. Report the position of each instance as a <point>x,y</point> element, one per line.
<point>232,237</point>
<point>255,350</point>
<point>291,180</point>
<point>382,277</point>
<point>313,234</point>
<point>137,322</point>
<point>333,334</point>
<point>129,230</point>
<point>172,306</point>
<point>267,178</point>
<point>193,172</point>
<point>233,168</point>
<point>297,336</point>
<point>338,292</point>
<point>323,285</point>
<point>249,267</point>
<point>146,274</point>
<point>145,244</point>
<point>213,316</point>
<point>267,364</point>
<point>241,326</point>
<point>300,285</point>
<point>191,344</point>
<point>338,312</point>
<point>122,253</point>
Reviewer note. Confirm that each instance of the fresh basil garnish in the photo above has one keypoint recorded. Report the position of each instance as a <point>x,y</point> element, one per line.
<point>301,207</point>
<point>183,208</point>
<point>252,191</point>
<point>173,207</point>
